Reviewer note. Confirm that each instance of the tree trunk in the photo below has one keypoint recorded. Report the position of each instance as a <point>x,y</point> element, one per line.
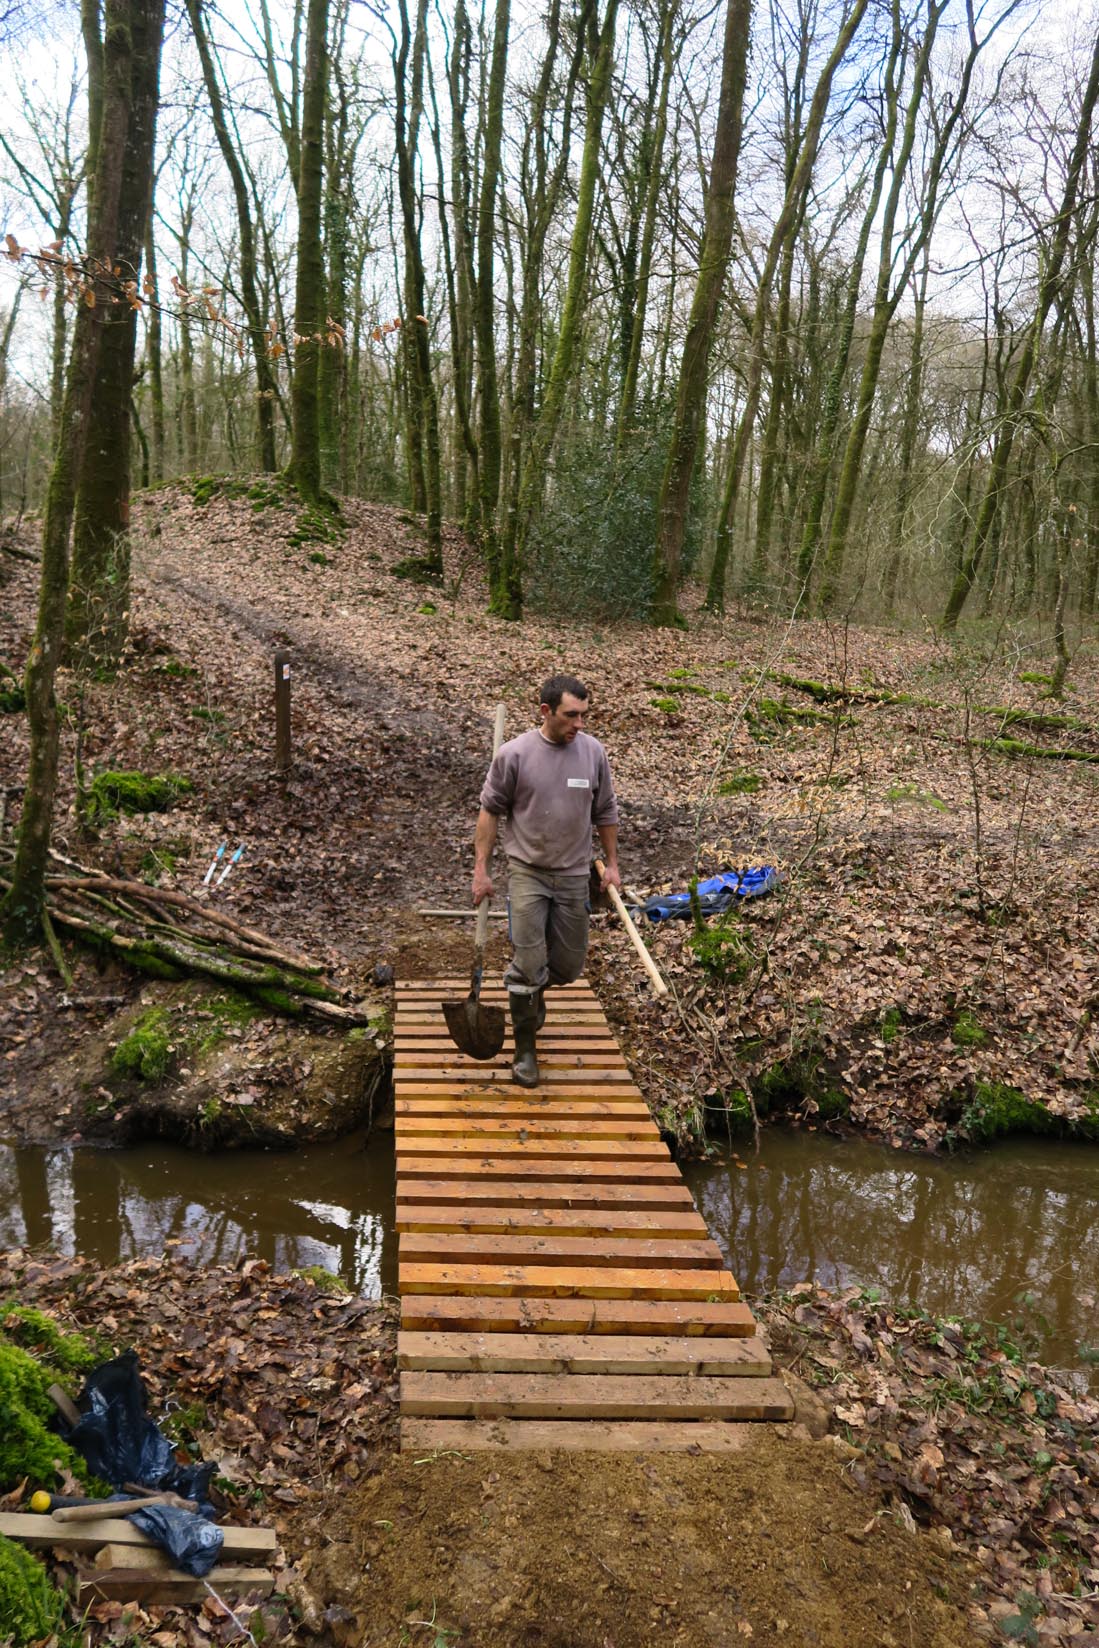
<point>507,594</point>
<point>22,907</point>
<point>99,593</point>
<point>786,227</point>
<point>484,307</point>
<point>694,367</point>
<point>309,292</point>
<point>249,290</point>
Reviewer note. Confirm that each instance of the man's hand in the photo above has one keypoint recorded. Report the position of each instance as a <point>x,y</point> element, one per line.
<point>482,885</point>
<point>611,878</point>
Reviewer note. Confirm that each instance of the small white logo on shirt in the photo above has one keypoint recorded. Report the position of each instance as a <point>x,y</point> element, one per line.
<point>579,784</point>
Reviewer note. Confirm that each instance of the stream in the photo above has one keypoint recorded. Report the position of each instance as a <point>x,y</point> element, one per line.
<point>1009,1234</point>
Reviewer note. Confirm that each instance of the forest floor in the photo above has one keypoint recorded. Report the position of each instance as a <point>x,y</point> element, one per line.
<point>927,967</point>
<point>927,971</point>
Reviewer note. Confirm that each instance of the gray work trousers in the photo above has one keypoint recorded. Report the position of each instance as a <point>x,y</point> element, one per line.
<point>548,927</point>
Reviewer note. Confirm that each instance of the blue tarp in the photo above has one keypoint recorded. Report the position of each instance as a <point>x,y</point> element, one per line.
<point>714,896</point>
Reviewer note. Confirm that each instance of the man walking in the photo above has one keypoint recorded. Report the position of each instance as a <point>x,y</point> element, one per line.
<point>549,786</point>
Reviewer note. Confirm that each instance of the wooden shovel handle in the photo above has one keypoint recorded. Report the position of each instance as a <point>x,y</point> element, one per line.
<point>480,931</point>
<point>119,1507</point>
<point>635,937</point>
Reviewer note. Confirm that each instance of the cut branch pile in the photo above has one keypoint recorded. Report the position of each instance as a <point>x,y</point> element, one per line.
<point>172,935</point>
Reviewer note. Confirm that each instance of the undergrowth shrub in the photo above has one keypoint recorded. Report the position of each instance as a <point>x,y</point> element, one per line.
<point>591,550</point>
<point>35,1354</point>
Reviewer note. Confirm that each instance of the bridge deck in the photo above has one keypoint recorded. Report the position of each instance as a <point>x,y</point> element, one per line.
<point>558,1287</point>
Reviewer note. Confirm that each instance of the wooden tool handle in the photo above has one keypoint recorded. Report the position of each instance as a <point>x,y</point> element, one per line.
<point>635,937</point>
<point>480,932</point>
<point>119,1507</point>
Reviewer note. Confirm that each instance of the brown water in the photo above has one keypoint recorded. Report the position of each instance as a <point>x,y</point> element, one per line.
<point>330,1205</point>
<point>968,1236</point>
<point>1010,1234</point>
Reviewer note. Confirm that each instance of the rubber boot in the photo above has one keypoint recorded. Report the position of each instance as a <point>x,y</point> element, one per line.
<point>540,1016</point>
<point>524,1024</point>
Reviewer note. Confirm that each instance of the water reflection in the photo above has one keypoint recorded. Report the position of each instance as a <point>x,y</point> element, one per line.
<point>961,1236</point>
<point>331,1205</point>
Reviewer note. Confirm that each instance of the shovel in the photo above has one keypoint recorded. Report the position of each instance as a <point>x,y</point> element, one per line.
<point>477,1030</point>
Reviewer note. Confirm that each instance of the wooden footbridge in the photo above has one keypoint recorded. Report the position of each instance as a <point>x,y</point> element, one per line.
<point>558,1287</point>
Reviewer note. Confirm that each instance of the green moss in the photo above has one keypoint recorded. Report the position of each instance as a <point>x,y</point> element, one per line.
<point>113,793</point>
<point>832,1103</point>
<point>382,1024</point>
<point>996,1110</point>
<point>201,713</point>
<point>891,1022</point>
<point>745,783</point>
<point>1033,718</point>
<point>722,697</point>
<point>1017,748</point>
<point>319,558</point>
<point>415,569</point>
<point>30,1606</point>
<point>12,700</point>
<point>968,1031</point>
<point>147,1053</point>
<point>920,798</point>
<point>678,687</point>
<point>322,1279</point>
<point>768,716</point>
<point>174,668</point>
<point>1034,678</point>
<point>731,1114</point>
<point>669,706</point>
<point>722,948</point>
<point>35,1354</point>
<point>183,1424</point>
<point>682,673</point>
<point>428,608</point>
<point>316,526</point>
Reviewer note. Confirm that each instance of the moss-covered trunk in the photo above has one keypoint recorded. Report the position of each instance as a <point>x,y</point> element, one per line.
<point>99,597</point>
<point>309,293</point>
<point>126,21</point>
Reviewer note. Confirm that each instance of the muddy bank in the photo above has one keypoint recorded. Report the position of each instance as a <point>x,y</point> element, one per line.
<point>936,1486</point>
<point>117,1060</point>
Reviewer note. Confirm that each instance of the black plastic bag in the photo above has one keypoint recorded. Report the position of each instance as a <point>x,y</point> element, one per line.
<point>193,1543</point>
<point>122,1444</point>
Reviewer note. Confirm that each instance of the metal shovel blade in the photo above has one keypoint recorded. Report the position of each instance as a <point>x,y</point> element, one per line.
<point>476,1029</point>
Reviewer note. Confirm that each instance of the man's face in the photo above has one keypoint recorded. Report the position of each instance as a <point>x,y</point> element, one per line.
<point>562,724</point>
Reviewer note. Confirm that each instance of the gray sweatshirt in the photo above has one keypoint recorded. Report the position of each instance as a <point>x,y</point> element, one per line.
<point>548,797</point>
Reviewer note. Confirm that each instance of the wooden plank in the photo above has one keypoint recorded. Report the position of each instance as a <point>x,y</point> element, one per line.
<point>545,1193</point>
<point>478,1073</point>
<point>550,1149</point>
<point>680,1318</point>
<point>552,1248</point>
<point>40,1532</point>
<point>519,1168</point>
<point>548,1059</point>
<point>590,1396</point>
<point>171,1588</point>
<point>448,1436</point>
<point>518,1107</point>
<point>567,1281</point>
<point>523,1127</point>
<point>151,1559</point>
<point>620,1223</point>
<point>424,1040</point>
<point>591,1353</point>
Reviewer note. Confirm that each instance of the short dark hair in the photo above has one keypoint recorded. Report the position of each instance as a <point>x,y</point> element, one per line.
<point>557,686</point>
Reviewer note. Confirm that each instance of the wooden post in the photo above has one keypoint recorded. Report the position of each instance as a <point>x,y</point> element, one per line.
<point>282,712</point>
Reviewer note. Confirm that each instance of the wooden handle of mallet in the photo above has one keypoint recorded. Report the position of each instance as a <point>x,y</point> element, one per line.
<point>119,1507</point>
<point>635,937</point>
<point>480,932</point>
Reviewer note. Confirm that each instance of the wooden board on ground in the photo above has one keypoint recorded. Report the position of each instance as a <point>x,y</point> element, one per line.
<point>551,1248</point>
<point>592,1353</point>
<point>590,1396</point>
<point>171,1588</point>
<point>543,1193</point>
<point>40,1532</point>
<point>516,1168</point>
<point>618,1150</point>
<point>480,1314</point>
<point>622,1224</point>
<point>567,1281</point>
<point>517,1127</point>
<point>448,1436</point>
